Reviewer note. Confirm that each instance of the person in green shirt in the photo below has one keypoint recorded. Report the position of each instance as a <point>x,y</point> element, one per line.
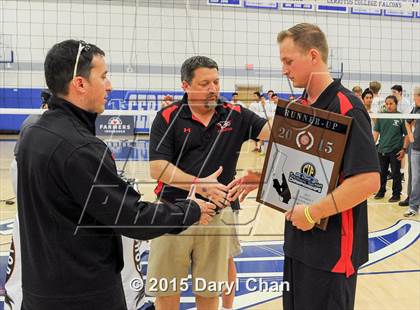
<point>392,147</point>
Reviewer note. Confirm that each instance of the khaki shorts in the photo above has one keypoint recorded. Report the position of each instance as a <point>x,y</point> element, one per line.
<point>206,249</point>
<point>235,247</point>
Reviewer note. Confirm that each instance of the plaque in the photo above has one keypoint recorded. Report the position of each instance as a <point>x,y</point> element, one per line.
<point>304,156</point>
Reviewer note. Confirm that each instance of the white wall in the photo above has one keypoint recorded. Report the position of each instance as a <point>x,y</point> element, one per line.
<point>154,37</point>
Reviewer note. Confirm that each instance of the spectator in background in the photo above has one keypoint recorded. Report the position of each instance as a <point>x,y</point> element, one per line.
<point>404,105</point>
<point>270,94</point>
<point>272,104</point>
<point>414,157</point>
<point>263,109</point>
<point>167,101</point>
<point>256,100</point>
<point>378,103</point>
<point>357,90</point>
<point>391,149</point>
<point>367,98</point>
<point>260,105</point>
<point>235,99</point>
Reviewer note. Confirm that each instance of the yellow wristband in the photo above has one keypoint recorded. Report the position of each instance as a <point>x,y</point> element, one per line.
<point>308,216</point>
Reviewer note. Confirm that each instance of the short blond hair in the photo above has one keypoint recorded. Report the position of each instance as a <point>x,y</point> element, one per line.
<point>375,87</point>
<point>357,89</point>
<point>416,90</point>
<point>307,36</point>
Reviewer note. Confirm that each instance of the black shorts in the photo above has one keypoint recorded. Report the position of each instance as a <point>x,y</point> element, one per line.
<point>313,289</point>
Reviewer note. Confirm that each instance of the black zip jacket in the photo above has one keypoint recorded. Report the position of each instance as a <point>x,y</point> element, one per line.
<point>73,207</point>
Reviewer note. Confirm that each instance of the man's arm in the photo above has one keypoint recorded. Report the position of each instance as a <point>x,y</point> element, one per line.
<point>349,194</point>
<point>92,182</point>
<point>401,153</point>
<point>409,128</point>
<point>208,187</point>
<point>375,136</point>
<point>266,131</point>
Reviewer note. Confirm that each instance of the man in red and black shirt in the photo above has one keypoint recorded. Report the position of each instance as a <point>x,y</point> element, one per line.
<point>321,266</point>
<point>197,141</point>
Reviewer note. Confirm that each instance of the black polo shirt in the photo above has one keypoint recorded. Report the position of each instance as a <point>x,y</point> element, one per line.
<point>343,247</point>
<point>178,137</point>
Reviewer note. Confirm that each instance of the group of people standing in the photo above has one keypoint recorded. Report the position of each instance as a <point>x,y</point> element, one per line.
<point>395,138</point>
<point>73,207</point>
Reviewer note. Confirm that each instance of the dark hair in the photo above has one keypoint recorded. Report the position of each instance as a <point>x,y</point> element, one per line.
<point>270,91</point>
<point>393,98</point>
<point>398,88</point>
<point>60,61</point>
<point>234,94</point>
<point>366,92</point>
<point>193,63</point>
<point>257,93</point>
<point>45,96</point>
<point>274,94</point>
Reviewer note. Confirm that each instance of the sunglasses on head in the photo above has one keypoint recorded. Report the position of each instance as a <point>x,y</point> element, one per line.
<point>83,46</point>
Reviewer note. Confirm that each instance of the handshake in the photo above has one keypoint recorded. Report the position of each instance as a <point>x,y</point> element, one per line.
<point>220,195</point>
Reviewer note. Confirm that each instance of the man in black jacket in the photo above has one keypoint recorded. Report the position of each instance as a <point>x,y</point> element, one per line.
<point>72,205</point>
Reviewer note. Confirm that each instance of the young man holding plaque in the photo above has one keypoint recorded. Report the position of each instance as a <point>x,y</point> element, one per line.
<point>321,266</point>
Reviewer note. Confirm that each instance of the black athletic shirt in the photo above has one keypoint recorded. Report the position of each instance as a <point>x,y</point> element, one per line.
<point>343,247</point>
<point>178,137</point>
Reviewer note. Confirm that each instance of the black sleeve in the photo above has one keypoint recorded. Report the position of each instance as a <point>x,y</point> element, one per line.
<point>107,200</point>
<point>360,154</point>
<point>252,124</point>
<point>161,145</point>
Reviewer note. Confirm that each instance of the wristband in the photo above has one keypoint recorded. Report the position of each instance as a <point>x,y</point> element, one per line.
<point>308,215</point>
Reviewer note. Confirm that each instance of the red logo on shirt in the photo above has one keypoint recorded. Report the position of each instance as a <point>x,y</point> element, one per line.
<point>187,129</point>
<point>224,126</point>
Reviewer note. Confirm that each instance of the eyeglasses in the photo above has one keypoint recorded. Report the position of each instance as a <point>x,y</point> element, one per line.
<point>83,46</point>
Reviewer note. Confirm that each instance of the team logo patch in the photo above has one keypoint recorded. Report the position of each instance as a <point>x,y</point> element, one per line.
<point>306,178</point>
<point>224,126</point>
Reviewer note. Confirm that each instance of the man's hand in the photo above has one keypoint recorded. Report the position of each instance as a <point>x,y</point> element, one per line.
<point>298,219</point>
<point>243,186</point>
<point>400,154</point>
<point>210,188</point>
<point>207,208</point>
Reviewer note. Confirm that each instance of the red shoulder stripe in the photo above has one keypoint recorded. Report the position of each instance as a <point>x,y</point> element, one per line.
<point>345,104</point>
<point>236,108</point>
<point>166,113</point>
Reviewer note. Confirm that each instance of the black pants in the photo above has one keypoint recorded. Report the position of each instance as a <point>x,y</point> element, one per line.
<point>314,289</point>
<point>385,160</point>
<point>110,300</point>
